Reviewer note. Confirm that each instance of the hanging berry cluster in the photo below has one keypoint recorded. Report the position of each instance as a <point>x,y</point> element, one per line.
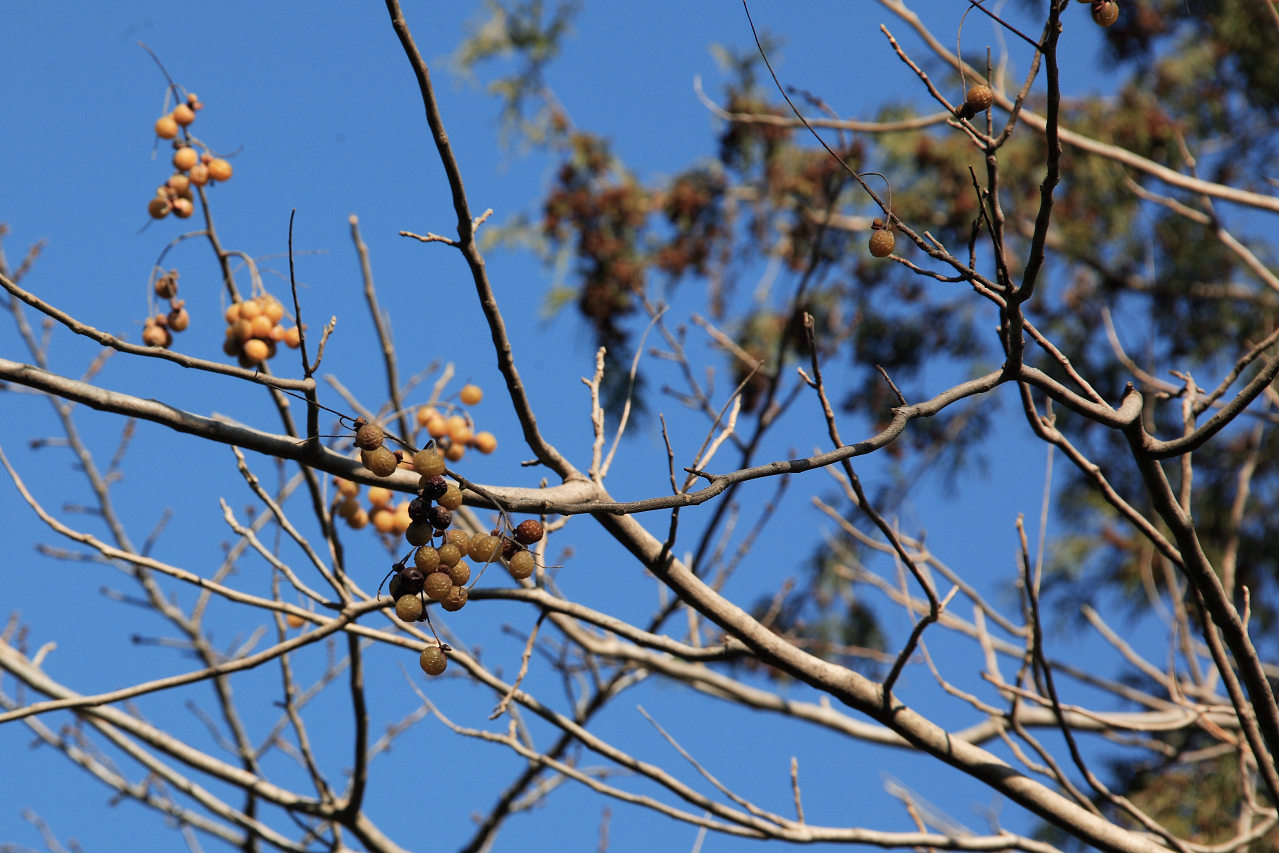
<point>159,328</point>
<point>436,570</point>
<point>193,167</point>
<point>254,328</point>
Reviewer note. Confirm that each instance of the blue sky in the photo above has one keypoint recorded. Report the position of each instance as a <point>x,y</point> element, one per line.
<point>319,106</point>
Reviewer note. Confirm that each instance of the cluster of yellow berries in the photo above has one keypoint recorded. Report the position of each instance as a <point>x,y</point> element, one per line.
<point>159,328</point>
<point>454,433</point>
<point>193,167</point>
<point>253,328</point>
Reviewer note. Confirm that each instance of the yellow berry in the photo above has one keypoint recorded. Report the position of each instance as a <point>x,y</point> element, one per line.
<point>166,127</point>
<point>183,115</point>
<point>471,394</point>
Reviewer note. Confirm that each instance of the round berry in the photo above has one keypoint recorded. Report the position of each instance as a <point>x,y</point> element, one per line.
<point>185,158</point>
<point>455,451</point>
<point>419,533</point>
<point>411,578</point>
<point>459,430</point>
<point>455,600</point>
<point>424,414</point>
<point>418,508</point>
<point>461,539</point>
<point>348,507</point>
<point>485,548</point>
<point>521,565</point>
<point>437,427</point>
<point>449,554</point>
<point>154,335</point>
<point>433,660</point>
<point>199,174</point>
<point>452,497</point>
<point>292,337</point>
<point>485,442</point>
<point>882,243</point>
<point>408,608</point>
<point>459,573</point>
<point>219,169</point>
<point>369,436</point>
<point>183,208</point>
<point>427,559</point>
<point>428,462</point>
<point>403,522</point>
<point>166,286</point>
<point>359,521</point>
<point>433,488</point>
<point>256,352</point>
<point>437,585</point>
<point>346,488</point>
<point>1105,12</point>
<point>379,496</point>
<point>979,98</point>
<point>158,208</point>
<point>179,318</point>
<point>166,127</point>
<point>383,520</point>
<point>380,461</point>
<point>440,518</point>
<point>470,394</point>
<point>529,531</point>
<point>183,115</point>
<point>179,183</point>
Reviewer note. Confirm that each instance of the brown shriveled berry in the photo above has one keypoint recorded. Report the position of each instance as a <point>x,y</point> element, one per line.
<point>154,335</point>
<point>521,565</point>
<point>179,318</point>
<point>461,539</point>
<point>408,608</point>
<point>432,487</point>
<point>166,286</point>
<point>433,660</point>
<point>882,243</point>
<point>439,517</point>
<point>1105,12</point>
<point>380,461</point>
<point>158,208</point>
<point>369,436</point>
<point>183,208</point>
<point>978,99</point>
<point>449,554</point>
<point>528,531</point>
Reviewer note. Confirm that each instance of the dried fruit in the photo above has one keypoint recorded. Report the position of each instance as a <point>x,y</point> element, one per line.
<point>979,98</point>
<point>369,436</point>
<point>882,243</point>
<point>1105,12</point>
<point>433,660</point>
<point>529,531</point>
<point>380,461</point>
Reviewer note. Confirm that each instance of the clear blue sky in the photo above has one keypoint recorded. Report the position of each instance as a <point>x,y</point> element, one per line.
<point>319,104</point>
